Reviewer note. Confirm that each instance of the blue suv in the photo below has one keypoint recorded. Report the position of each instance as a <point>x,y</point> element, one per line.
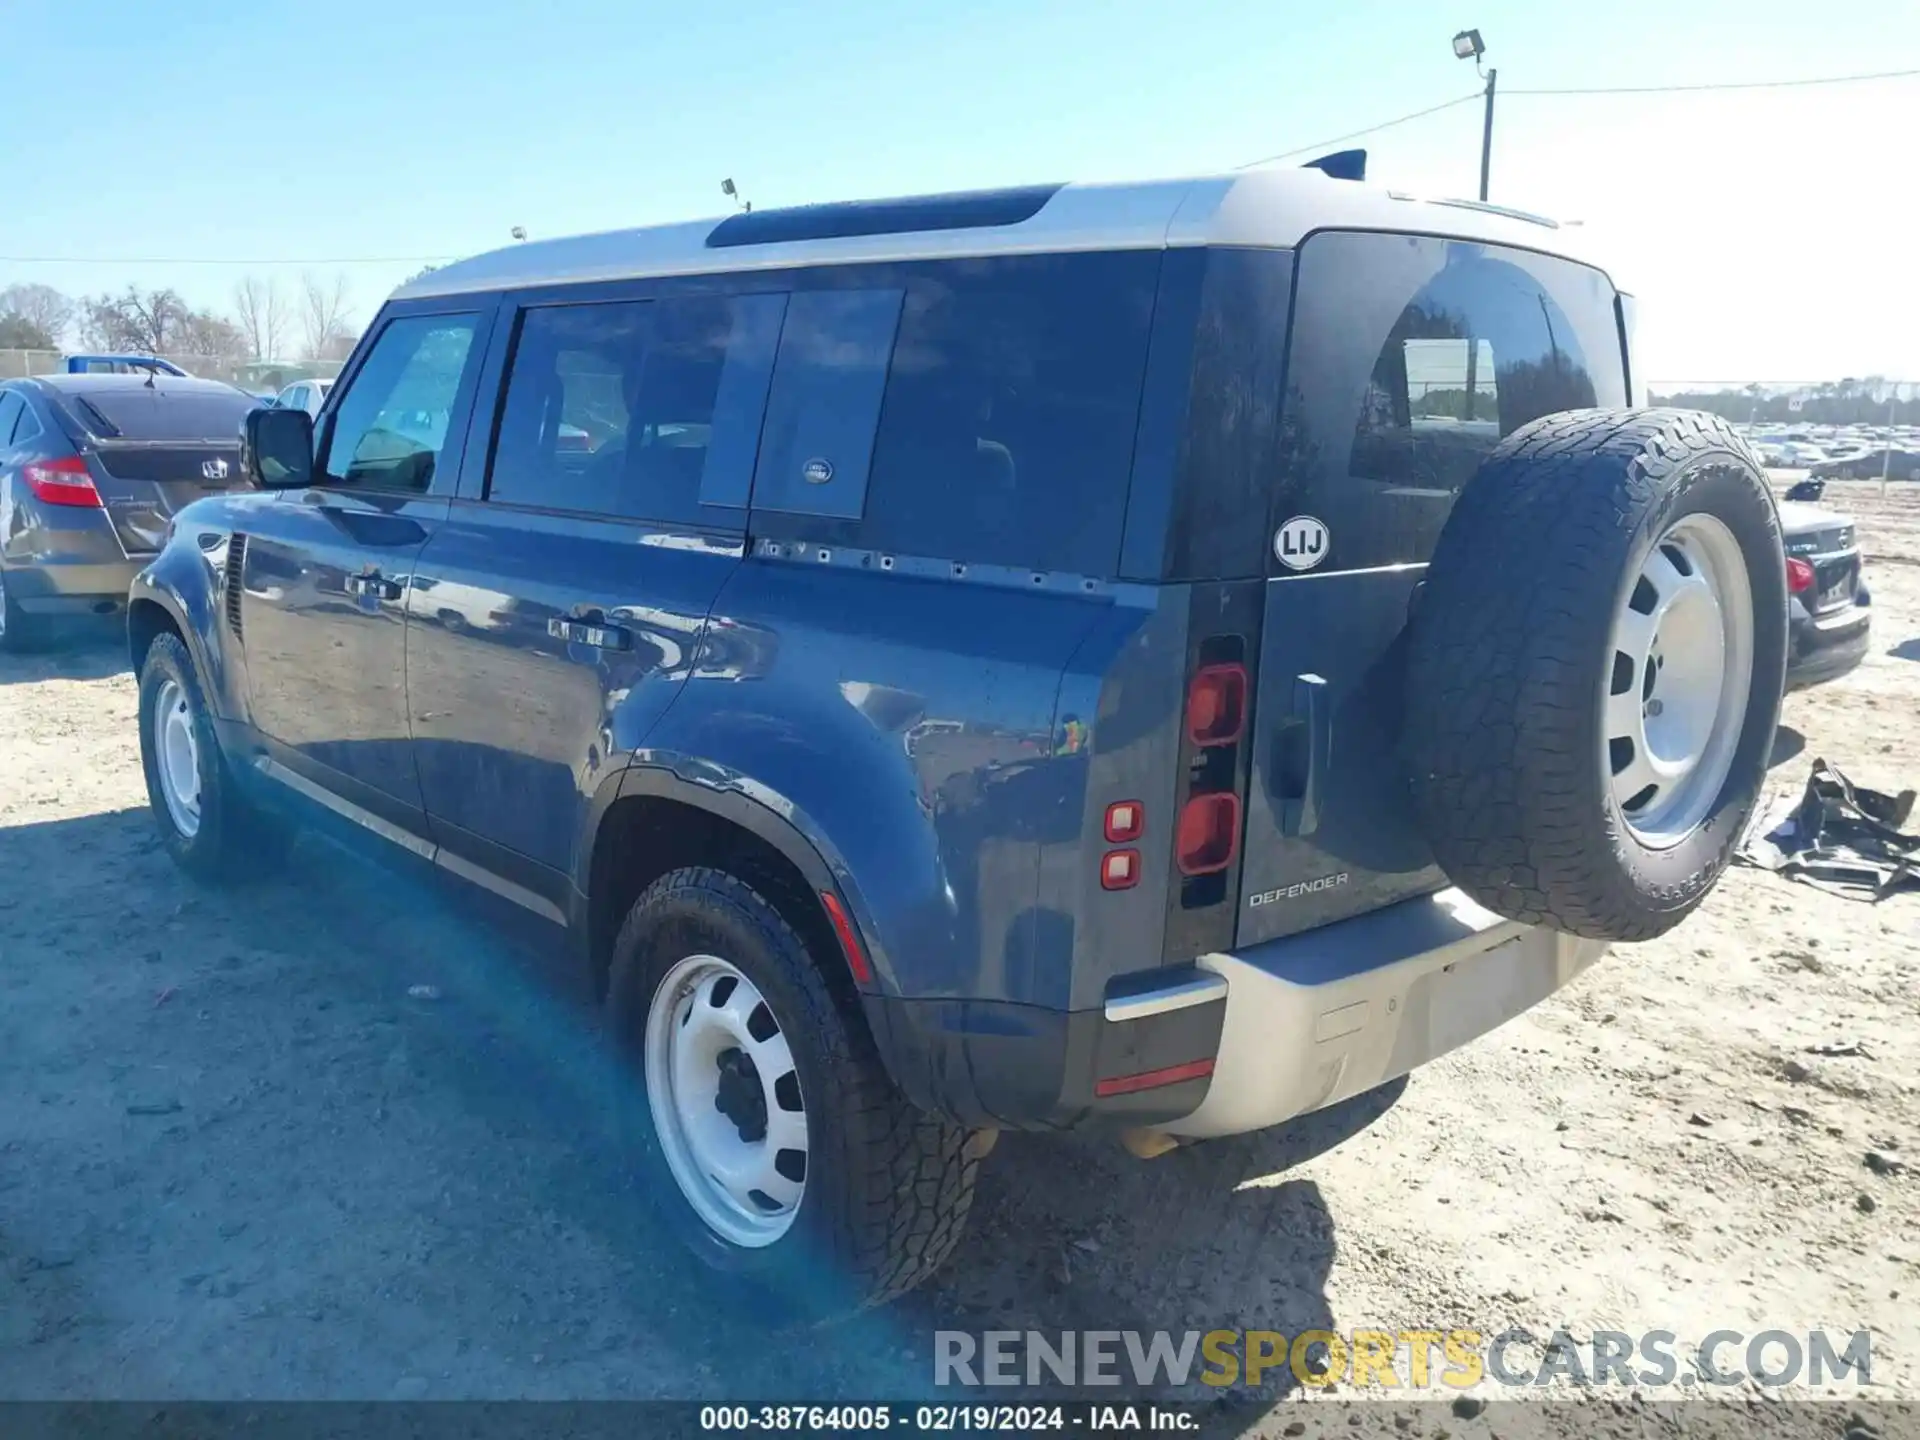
<point>1163,658</point>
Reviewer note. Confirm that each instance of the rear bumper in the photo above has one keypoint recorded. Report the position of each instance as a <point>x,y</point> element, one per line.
<point>1314,1019</point>
<point>56,586</point>
<point>1289,1026</point>
<point>1827,646</point>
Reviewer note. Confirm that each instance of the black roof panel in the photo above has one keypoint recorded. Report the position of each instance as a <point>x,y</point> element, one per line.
<point>964,210</point>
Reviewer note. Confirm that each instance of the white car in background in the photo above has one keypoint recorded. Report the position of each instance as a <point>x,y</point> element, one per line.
<point>307,395</point>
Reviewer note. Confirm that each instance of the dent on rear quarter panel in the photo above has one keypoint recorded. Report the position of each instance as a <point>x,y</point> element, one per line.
<point>906,726</point>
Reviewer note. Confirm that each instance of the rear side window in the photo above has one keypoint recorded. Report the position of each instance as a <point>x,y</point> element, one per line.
<point>1412,358</point>
<point>640,409</point>
<point>11,410</point>
<point>138,413</point>
<point>1001,397</point>
<point>1011,406</point>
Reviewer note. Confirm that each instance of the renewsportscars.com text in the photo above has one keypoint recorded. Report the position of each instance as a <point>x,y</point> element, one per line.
<point>1398,1359</point>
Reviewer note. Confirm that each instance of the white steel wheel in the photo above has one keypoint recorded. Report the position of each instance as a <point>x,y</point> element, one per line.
<point>1681,666</point>
<point>176,752</point>
<point>726,1101</point>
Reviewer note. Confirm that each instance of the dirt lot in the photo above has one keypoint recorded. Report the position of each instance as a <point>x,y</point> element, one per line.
<point>239,1159</point>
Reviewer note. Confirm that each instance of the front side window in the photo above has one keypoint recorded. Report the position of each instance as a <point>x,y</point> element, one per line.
<point>392,420</point>
<point>635,409</point>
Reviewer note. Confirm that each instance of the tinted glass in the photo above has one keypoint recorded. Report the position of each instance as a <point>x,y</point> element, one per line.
<point>26,428</point>
<point>137,413</point>
<point>10,410</point>
<point>825,402</point>
<point>612,409</point>
<point>391,422</point>
<point>1412,357</point>
<point>1011,407</point>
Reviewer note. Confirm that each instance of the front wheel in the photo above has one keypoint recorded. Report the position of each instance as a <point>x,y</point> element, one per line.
<point>770,1137</point>
<point>206,824</point>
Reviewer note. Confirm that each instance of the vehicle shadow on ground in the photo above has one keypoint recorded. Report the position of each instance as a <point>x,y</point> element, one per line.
<point>1906,650</point>
<point>333,1137</point>
<point>1788,744</point>
<point>93,658</point>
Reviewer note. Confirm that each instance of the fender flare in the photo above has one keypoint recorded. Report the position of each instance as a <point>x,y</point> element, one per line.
<point>755,808</point>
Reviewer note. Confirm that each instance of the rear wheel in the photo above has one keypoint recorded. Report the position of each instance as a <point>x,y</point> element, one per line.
<point>209,827</point>
<point>771,1139</point>
<point>1595,670</point>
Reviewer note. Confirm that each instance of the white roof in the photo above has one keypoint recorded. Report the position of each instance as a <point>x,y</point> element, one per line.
<point>1271,208</point>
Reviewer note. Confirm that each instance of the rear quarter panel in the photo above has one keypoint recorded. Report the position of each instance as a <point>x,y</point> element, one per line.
<point>907,727</point>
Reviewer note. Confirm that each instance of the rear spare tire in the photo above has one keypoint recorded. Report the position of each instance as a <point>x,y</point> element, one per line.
<point>1595,666</point>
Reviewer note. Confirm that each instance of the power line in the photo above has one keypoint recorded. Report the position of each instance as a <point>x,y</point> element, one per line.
<point>1356,134</point>
<point>1719,85</point>
<point>1592,90</point>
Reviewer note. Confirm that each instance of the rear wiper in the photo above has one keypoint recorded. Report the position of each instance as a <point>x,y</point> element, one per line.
<point>99,423</point>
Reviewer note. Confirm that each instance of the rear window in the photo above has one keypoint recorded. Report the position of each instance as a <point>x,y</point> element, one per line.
<point>137,413</point>
<point>1412,358</point>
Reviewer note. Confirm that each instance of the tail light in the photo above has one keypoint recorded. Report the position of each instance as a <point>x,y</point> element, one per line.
<point>1208,833</point>
<point>61,482</point>
<point>1799,574</point>
<point>1217,704</point>
<point>1120,870</point>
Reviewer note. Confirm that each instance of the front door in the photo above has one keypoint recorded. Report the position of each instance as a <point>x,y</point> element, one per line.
<point>557,611</point>
<point>325,570</point>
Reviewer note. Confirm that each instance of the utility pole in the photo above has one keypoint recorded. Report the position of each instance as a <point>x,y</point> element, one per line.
<point>1468,45</point>
<point>1486,135</point>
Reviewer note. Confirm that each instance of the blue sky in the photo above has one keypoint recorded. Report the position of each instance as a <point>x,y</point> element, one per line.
<point>309,134</point>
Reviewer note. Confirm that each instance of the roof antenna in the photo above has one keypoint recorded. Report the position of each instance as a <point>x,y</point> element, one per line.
<point>727,189</point>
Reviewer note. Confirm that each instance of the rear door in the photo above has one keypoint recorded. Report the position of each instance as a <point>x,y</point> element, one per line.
<point>153,450</point>
<point>557,611</point>
<point>1410,357</point>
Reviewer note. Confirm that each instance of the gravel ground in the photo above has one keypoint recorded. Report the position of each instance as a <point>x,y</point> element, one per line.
<point>243,1155</point>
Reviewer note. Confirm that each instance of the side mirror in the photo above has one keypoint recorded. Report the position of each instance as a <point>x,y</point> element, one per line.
<point>278,454</point>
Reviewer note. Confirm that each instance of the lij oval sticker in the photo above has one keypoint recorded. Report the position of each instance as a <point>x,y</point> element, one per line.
<point>1301,543</point>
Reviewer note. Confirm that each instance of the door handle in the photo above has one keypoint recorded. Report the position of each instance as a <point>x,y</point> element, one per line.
<point>590,629</point>
<point>1306,750</point>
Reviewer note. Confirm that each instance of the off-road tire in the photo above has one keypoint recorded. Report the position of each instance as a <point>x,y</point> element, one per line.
<point>888,1186</point>
<point>237,840</point>
<point>1508,662</point>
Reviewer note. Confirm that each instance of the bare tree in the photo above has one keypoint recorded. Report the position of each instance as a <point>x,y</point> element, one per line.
<point>324,318</point>
<point>146,322</point>
<point>264,316</point>
<point>41,307</point>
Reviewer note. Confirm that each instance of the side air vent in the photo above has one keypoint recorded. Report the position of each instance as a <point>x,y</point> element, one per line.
<point>236,568</point>
<point>966,210</point>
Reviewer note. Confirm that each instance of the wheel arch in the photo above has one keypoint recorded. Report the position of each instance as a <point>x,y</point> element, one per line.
<point>649,820</point>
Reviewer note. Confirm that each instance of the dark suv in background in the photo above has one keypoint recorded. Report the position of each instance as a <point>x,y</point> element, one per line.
<point>92,466</point>
<point>1163,657</point>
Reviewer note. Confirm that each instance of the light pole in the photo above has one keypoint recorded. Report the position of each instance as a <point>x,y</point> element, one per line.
<point>1467,45</point>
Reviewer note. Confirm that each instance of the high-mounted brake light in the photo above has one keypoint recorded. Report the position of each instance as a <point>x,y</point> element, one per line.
<point>1208,833</point>
<point>61,482</point>
<point>1799,574</point>
<point>1217,704</point>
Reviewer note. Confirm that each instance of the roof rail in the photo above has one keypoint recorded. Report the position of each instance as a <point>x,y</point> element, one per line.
<point>1511,214</point>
